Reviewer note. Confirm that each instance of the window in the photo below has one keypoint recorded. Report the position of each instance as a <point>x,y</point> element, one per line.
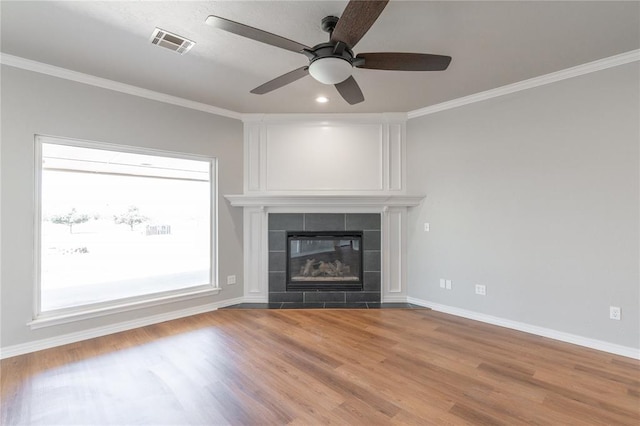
<point>118,225</point>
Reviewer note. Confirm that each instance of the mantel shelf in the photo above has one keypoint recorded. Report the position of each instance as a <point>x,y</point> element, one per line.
<point>262,200</point>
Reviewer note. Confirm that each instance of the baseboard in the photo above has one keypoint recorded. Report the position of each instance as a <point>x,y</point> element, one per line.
<point>255,299</point>
<point>65,339</point>
<point>394,299</point>
<point>39,345</point>
<point>532,329</point>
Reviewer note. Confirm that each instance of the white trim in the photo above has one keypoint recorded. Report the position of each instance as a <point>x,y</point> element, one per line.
<point>65,339</point>
<point>37,225</point>
<point>255,299</point>
<point>42,68</point>
<point>327,119</point>
<point>67,316</point>
<point>386,150</point>
<point>214,195</point>
<point>394,251</point>
<point>601,64</point>
<point>343,201</point>
<point>133,149</point>
<point>255,230</point>
<point>1,189</point>
<point>385,157</point>
<point>395,299</point>
<point>532,329</point>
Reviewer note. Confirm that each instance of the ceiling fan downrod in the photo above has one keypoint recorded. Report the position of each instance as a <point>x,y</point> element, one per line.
<point>328,24</point>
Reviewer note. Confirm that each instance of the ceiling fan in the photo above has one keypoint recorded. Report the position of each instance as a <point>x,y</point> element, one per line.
<point>333,62</point>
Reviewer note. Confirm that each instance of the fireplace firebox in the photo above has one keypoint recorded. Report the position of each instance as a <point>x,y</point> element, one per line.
<point>320,260</point>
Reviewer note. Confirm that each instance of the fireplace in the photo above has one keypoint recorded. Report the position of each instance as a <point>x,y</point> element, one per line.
<point>315,240</point>
<point>324,260</point>
<point>381,218</point>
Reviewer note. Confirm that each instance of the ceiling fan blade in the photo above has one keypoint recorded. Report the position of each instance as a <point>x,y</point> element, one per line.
<point>255,34</point>
<point>283,80</point>
<point>356,20</point>
<point>404,61</point>
<point>350,91</point>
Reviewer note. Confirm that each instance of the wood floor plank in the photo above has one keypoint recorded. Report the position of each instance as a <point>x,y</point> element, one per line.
<point>308,367</point>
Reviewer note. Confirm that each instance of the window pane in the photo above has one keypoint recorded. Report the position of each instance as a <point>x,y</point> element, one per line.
<point>118,225</point>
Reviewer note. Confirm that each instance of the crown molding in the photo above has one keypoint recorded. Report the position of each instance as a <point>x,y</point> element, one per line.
<point>42,68</point>
<point>39,67</point>
<point>589,67</point>
<point>327,118</point>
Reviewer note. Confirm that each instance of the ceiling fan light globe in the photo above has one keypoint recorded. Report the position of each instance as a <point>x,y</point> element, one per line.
<point>330,70</point>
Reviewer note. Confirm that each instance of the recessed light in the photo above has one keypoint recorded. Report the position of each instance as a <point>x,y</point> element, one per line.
<point>322,99</point>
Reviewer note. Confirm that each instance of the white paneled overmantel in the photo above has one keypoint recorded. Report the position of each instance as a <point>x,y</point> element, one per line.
<point>325,164</point>
<point>331,154</point>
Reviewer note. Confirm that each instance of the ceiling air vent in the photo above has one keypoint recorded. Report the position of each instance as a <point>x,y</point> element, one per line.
<point>171,41</point>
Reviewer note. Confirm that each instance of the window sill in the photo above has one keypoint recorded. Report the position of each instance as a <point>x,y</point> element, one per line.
<point>79,314</point>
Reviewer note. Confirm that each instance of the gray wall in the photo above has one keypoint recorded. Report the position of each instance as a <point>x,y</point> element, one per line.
<point>534,195</point>
<point>38,104</point>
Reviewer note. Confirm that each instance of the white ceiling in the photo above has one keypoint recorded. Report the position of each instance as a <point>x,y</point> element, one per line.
<point>492,44</point>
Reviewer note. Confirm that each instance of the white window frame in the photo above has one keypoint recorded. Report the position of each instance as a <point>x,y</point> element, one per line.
<point>93,310</point>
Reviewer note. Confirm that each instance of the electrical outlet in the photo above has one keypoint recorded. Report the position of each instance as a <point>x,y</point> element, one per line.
<point>442,284</point>
<point>481,289</point>
<point>614,313</point>
<point>448,284</point>
<point>231,279</point>
<point>426,227</point>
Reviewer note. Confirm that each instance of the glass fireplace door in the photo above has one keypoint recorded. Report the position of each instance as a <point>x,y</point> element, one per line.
<point>324,260</point>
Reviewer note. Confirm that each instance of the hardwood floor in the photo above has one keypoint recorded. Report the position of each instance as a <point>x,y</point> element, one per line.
<point>307,367</point>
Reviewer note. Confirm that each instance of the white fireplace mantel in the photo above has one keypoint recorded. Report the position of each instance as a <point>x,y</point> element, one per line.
<point>325,201</point>
<point>393,211</point>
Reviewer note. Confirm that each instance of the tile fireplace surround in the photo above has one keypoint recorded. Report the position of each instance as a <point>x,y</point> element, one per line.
<point>280,223</point>
<point>383,220</point>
